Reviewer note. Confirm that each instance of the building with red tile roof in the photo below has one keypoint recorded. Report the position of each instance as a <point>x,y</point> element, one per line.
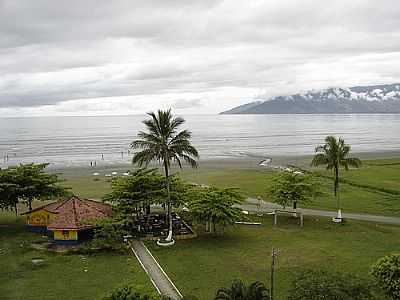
<point>69,220</point>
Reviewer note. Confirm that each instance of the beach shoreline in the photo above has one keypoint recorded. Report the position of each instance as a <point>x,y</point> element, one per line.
<point>216,164</point>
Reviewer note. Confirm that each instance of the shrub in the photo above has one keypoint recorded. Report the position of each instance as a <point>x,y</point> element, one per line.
<point>108,236</point>
<point>129,292</point>
<point>238,290</point>
<point>387,273</point>
<point>316,285</point>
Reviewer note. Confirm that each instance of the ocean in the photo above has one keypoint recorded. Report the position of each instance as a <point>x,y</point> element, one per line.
<point>105,140</point>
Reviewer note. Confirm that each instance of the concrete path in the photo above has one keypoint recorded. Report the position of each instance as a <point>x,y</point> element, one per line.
<point>158,277</point>
<point>251,206</point>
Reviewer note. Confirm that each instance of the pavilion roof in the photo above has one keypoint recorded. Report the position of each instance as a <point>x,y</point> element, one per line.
<point>75,213</point>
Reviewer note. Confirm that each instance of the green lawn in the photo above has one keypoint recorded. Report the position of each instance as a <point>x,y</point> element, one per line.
<point>61,276</point>
<point>200,266</point>
<point>253,182</point>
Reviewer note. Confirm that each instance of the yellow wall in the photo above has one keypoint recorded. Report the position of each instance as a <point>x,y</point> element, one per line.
<point>66,235</point>
<point>39,218</point>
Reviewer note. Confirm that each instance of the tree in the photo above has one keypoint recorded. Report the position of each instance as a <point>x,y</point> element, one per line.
<point>387,273</point>
<point>212,206</point>
<point>164,143</point>
<point>140,189</point>
<point>290,188</point>
<point>135,192</point>
<point>333,154</point>
<point>239,291</point>
<point>29,182</point>
<point>8,191</point>
<point>320,284</point>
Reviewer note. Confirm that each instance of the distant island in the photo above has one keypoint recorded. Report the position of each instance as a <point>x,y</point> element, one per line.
<point>355,100</point>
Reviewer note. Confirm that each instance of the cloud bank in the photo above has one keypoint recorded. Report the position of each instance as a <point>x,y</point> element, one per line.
<point>120,57</point>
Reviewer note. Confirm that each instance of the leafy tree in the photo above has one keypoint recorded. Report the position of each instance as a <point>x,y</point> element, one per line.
<point>320,284</point>
<point>239,291</point>
<point>29,182</point>
<point>164,143</point>
<point>142,188</point>
<point>136,191</point>
<point>333,154</point>
<point>8,191</point>
<point>387,273</point>
<point>291,188</point>
<point>212,206</point>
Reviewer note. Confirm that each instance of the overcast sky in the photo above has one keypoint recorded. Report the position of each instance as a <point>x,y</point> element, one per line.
<point>129,57</point>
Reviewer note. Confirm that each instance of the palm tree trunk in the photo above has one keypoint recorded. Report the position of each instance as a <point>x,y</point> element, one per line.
<point>337,192</point>
<point>169,237</point>
<point>30,204</point>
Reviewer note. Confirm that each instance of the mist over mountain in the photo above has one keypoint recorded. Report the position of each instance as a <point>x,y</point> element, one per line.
<point>358,99</point>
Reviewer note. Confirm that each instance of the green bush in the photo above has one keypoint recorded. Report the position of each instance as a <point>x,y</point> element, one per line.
<point>129,292</point>
<point>108,236</point>
<point>387,273</point>
<point>318,285</point>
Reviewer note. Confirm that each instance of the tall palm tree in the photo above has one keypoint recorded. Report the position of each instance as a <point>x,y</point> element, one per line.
<point>163,143</point>
<point>333,154</point>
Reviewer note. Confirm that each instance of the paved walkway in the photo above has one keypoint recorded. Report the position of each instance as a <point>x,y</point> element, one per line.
<point>268,207</point>
<point>158,277</point>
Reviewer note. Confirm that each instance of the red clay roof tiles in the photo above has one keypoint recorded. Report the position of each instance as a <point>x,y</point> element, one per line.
<point>75,213</point>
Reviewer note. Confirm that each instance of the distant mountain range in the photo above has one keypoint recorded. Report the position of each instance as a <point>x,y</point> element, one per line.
<point>358,99</point>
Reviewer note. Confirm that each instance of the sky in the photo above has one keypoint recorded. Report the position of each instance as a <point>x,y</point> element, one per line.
<point>196,57</point>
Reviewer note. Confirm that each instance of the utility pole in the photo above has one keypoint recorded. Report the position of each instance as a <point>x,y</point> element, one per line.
<point>274,255</point>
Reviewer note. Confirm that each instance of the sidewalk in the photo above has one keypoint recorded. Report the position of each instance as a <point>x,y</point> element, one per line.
<point>158,277</point>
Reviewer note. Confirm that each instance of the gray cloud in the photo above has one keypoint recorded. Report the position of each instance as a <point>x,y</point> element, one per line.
<point>183,103</point>
<point>223,52</point>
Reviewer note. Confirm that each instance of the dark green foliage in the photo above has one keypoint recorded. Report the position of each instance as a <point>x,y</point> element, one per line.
<point>239,291</point>
<point>328,285</point>
<point>213,206</point>
<point>333,154</point>
<point>142,188</point>
<point>9,191</point>
<point>108,235</point>
<point>29,182</point>
<point>129,292</point>
<point>387,273</point>
<point>293,187</point>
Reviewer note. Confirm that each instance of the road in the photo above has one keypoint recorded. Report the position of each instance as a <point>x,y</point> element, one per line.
<point>266,207</point>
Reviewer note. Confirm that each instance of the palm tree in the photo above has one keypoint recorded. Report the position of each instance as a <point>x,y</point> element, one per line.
<point>334,154</point>
<point>239,291</point>
<point>164,144</point>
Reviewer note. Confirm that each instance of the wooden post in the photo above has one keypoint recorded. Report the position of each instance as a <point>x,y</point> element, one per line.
<point>276,218</point>
<point>301,219</point>
<point>274,254</point>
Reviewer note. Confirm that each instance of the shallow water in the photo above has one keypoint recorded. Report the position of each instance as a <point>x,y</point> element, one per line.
<point>77,141</point>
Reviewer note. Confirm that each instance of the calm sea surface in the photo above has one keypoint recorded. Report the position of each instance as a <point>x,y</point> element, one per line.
<point>77,141</point>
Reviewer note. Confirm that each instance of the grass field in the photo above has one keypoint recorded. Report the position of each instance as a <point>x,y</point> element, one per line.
<point>61,276</point>
<point>200,266</point>
<point>373,176</point>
